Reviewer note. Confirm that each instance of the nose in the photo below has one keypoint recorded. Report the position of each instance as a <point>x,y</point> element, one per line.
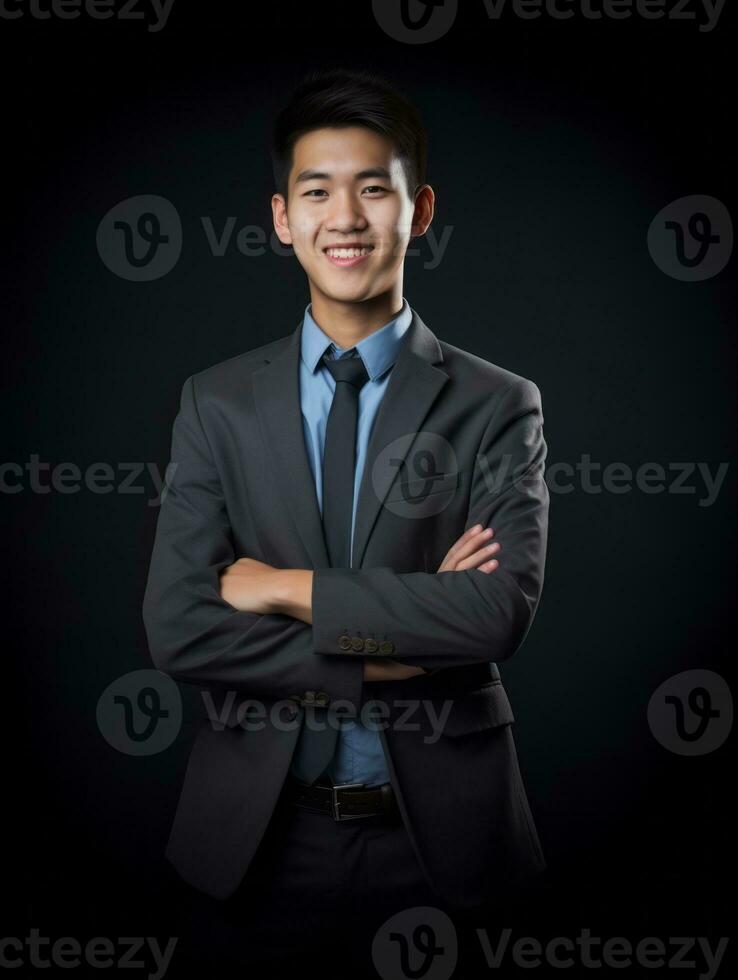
<point>345,214</point>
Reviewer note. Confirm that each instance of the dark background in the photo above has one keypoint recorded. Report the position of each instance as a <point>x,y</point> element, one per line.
<point>553,145</point>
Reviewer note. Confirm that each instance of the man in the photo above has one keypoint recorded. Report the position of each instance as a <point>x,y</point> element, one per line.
<point>324,568</point>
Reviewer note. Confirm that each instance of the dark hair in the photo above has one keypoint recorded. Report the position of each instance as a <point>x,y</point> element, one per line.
<point>342,97</point>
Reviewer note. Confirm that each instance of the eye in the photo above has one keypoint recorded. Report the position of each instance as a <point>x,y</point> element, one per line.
<point>374,188</point>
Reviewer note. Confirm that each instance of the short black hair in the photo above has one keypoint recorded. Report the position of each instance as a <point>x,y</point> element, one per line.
<point>340,97</point>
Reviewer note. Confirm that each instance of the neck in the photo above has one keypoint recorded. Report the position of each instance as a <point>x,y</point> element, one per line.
<point>348,323</point>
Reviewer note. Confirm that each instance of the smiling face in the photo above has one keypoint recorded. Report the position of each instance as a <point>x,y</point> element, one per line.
<point>349,214</point>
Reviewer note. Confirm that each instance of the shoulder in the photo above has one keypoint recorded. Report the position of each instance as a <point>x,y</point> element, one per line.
<point>483,377</point>
<point>223,375</point>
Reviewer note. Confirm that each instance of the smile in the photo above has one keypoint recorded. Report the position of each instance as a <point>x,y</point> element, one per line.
<point>347,257</point>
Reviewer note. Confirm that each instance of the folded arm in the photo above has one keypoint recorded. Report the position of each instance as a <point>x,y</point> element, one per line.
<point>196,636</point>
<point>446,619</point>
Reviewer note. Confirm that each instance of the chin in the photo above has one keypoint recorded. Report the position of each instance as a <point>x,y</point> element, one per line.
<point>348,293</point>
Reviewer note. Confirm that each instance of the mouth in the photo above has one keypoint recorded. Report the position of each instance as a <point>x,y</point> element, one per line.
<point>347,256</point>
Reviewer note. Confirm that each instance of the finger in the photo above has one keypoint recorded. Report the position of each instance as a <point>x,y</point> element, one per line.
<point>466,536</point>
<point>467,545</point>
<point>482,556</point>
<point>470,542</point>
<point>480,543</point>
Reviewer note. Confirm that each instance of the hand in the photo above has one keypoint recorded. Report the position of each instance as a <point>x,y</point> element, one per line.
<point>249,586</point>
<point>472,550</point>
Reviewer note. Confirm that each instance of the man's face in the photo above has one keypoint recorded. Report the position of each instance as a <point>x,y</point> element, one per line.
<point>346,189</point>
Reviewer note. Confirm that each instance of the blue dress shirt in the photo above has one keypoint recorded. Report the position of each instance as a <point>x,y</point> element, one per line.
<point>359,757</point>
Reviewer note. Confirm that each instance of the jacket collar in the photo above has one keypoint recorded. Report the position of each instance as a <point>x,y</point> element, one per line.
<point>378,351</point>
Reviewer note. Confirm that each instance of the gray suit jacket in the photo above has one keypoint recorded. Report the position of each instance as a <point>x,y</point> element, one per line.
<point>456,441</point>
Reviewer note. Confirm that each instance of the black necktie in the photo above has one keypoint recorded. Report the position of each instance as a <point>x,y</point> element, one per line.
<point>316,748</point>
<point>339,455</point>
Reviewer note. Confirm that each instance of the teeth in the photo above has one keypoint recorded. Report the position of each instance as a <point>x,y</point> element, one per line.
<point>347,253</point>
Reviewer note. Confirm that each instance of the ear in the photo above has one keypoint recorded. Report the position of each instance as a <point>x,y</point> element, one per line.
<point>279,216</point>
<point>424,209</point>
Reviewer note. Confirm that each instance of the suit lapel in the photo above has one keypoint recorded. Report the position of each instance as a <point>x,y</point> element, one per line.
<point>413,386</point>
<point>277,399</point>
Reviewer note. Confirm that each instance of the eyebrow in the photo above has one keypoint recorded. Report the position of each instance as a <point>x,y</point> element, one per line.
<point>380,172</point>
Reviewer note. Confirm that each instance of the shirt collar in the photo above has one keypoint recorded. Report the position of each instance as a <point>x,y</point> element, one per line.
<point>378,351</point>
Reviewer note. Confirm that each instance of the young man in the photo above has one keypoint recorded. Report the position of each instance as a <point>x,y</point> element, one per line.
<point>324,556</point>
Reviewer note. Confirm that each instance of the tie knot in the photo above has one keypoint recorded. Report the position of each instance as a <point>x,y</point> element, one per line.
<point>349,368</point>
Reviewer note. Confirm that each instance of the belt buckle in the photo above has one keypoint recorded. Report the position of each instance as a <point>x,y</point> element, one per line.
<point>335,803</point>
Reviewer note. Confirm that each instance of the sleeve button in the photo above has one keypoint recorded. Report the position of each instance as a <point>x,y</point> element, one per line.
<point>387,647</point>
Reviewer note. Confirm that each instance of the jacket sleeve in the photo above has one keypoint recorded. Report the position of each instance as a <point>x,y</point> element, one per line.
<point>196,636</point>
<point>446,619</point>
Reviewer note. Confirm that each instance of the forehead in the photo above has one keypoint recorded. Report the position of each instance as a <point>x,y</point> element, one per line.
<point>343,151</point>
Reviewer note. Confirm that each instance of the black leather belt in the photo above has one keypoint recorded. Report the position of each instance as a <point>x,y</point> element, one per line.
<point>346,801</point>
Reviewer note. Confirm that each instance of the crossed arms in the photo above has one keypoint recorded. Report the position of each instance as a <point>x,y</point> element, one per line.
<point>254,586</point>
<point>435,620</point>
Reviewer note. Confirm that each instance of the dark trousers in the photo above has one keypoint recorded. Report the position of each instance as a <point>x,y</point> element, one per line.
<point>317,888</point>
